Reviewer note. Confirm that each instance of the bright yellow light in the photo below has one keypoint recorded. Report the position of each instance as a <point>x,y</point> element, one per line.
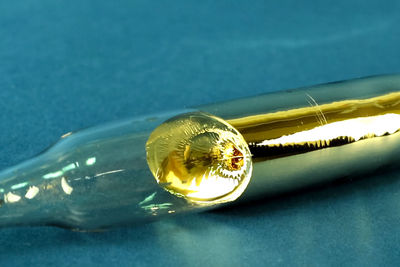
<point>199,157</point>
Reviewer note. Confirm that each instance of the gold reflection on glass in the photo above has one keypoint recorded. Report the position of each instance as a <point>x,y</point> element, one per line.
<point>207,160</point>
<point>317,126</point>
<point>199,157</point>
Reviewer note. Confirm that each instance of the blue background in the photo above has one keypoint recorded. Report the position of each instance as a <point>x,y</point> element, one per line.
<point>65,65</point>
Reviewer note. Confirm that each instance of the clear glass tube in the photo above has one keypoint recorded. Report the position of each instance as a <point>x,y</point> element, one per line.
<point>114,174</point>
<point>89,180</point>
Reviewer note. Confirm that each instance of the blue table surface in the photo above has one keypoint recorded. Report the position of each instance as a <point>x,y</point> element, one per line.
<point>65,65</point>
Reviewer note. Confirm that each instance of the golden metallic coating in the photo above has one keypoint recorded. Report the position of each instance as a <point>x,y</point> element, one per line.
<point>199,157</point>
<point>315,126</point>
<point>208,160</point>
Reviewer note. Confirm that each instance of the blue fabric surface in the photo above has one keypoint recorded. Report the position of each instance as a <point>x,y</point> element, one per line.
<point>65,65</point>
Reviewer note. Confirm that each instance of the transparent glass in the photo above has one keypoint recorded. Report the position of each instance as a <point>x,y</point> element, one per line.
<point>89,180</point>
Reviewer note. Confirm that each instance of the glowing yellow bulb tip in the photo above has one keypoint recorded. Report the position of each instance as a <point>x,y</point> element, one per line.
<point>199,157</point>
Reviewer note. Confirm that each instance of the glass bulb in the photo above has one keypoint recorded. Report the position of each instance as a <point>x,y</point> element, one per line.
<point>199,157</point>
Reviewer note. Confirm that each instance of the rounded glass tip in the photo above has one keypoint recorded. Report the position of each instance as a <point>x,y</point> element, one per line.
<point>199,157</point>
